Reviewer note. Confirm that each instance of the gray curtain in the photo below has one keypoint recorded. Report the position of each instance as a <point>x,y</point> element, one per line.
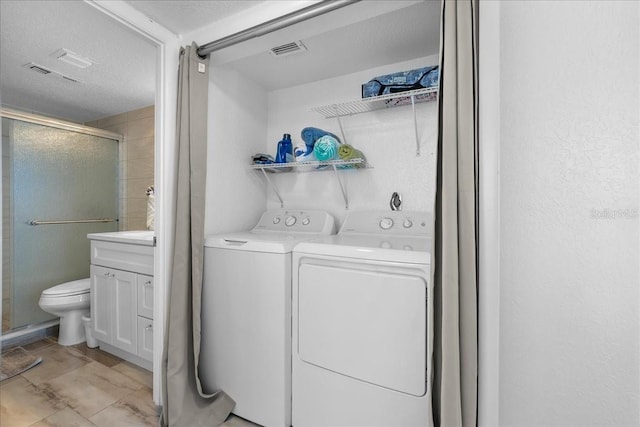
<point>184,403</point>
<point>455,297</point>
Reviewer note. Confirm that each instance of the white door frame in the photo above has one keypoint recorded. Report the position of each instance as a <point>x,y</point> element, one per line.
<point>489,224</point>
<point>167,49</point>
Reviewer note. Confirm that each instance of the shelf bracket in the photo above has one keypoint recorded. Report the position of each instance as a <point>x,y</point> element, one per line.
<point>344,140</point>
<point>344,191</point>
<point>415,124</point>
<point>273,187</point>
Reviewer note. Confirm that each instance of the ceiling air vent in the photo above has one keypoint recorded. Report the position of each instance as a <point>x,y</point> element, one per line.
<point>288,49</point>
<point>42,70</point>
<point>38,68</point>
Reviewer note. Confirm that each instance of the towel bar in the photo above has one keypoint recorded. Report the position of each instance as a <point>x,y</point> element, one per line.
<point>70,221</point>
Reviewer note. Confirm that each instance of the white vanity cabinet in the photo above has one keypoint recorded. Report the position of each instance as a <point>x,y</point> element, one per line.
<point>113,307</point>
<point>122,296</point>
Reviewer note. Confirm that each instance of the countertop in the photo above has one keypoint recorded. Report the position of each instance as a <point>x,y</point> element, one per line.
<point>142,237</point>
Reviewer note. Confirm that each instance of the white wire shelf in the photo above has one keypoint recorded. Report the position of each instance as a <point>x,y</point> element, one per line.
<point>334,165</point>
<point>366,105</point>
<point>310,166</point>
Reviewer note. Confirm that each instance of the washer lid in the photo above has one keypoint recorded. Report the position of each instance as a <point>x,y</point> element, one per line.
<point>76,287</point>
<point>278,231</point>
<point>270,242</point>
<point>415,250</point>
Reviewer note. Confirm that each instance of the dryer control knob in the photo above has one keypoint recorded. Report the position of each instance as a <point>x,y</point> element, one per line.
<point>407,223</point>
<point>386,223</point>
<point>290,221</point>
<point>276,220</point>
<point>306,221</point>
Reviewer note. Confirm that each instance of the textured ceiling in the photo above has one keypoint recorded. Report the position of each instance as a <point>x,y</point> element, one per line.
<point>183,16</point>
<point>399,35</point>
<point>363,35</point>
<point>122,78</point>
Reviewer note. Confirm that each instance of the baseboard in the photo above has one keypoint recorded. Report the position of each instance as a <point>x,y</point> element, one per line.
<point>136,360</point>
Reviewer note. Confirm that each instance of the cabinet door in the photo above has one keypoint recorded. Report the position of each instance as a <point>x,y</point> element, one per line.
<point>124,311</point>
<point>145,296</point>
<point>101,303</point>
<point>145,338</point>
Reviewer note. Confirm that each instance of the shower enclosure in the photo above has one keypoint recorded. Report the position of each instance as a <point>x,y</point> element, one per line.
<point>59,183</point>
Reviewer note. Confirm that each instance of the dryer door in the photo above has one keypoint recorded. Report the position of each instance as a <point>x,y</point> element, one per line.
<point>368,325</point>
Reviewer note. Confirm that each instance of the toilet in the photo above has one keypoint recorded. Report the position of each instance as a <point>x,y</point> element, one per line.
<point>69,301</point>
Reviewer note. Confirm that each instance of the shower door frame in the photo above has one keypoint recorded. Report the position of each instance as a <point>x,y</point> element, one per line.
<point>22,116</point>
<point>60,124</point>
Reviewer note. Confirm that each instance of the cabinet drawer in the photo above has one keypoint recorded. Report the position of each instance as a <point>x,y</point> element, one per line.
<point>145,296</point>
<point>136,258</point>
<point>145,338</point>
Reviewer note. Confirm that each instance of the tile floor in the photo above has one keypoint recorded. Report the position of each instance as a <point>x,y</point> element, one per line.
<point>78,386</point>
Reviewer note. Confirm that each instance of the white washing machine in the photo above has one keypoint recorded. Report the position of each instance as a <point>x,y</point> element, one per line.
<point>362,323</point>
<point>246,313</point>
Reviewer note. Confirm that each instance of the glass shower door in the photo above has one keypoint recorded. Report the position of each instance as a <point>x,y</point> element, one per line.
<point>59,180</point>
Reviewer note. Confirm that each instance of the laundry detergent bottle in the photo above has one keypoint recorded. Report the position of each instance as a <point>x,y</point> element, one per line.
<point>284,153</point>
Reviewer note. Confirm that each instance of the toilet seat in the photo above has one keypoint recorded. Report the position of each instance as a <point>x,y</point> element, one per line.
<point>62,303</point>
<point>76,287</point>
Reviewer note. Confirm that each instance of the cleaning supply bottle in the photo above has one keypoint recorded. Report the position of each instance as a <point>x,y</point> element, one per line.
<point>284,153</point>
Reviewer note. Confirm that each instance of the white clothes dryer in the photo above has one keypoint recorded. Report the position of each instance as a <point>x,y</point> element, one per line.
<point>246,313</point>
<point>362,323</point>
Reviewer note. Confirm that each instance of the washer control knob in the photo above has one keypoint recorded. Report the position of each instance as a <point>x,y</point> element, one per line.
<point>290,221</point>
<point>407,223</point>
<point>386,223</point>
<point>306,221</point>
<point>276,220</point>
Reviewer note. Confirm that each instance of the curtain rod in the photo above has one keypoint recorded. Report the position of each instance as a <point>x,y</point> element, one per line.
<point>275,24</point>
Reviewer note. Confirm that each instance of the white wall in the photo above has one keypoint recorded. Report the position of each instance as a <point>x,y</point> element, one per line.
<point>236,131</point>
<point>386,137</point>
<point>244,120</point>
<point>569,156</point>
<point>236,195</point>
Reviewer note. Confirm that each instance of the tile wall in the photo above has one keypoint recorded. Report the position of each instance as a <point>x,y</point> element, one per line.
<point>136,162</point>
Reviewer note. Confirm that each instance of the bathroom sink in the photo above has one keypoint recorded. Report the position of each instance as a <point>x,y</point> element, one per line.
<point>141,237</point>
